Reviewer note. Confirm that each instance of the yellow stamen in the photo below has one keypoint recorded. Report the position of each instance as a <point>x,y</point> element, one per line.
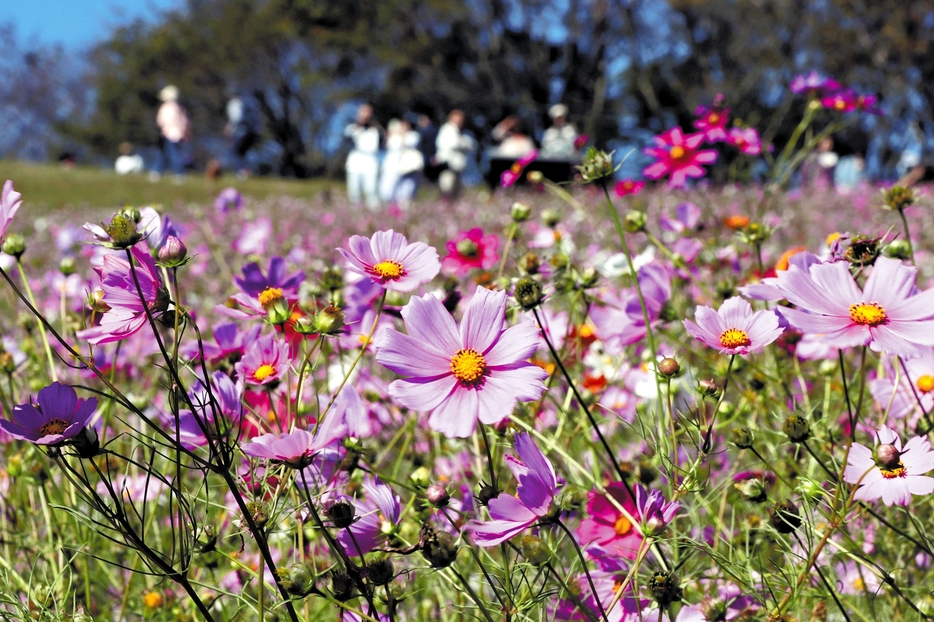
<point>713,118</point>
<point>389,270</point>
<point>868,313</point>
<point>54,426</point>
<point>734,338</point>
<point>622,526</point>
<point>858,584</point>
<point>925,383</point>
<point>833,237</point>
<point>153,600</point>
<point>263,371</point>
<point>898,471</point>
<point>269,296</point>
<point>677,152</point>
<point>468,366</point>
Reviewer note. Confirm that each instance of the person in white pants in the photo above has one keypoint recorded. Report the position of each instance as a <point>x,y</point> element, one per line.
<point>453,148</point>
<point>362,162</point>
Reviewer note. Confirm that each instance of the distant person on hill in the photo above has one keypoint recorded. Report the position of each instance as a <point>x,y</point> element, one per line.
<point>410,167</point>
<point>128,162</point>
<point>242,133</point>
<point>453,147</point>
<point>558,141</point>
<point>175,129</point>
<point>427,144</point>
<point>362,163</point>
<point>513,143</point>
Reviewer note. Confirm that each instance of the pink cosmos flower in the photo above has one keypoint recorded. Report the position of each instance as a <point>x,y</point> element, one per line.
<point>511,175</point>
<point>469,250</point>
<point>10,202</point>
<point>127,315</point>
<point>734,328</point>
<point>628,186</point>
<point>537,486</point>
<point>228,199</point>
<point>886,315</point>
<point>619,319</point>
<point>654,512</point>
<point>814,84</point>
<point>299,447</point>
<point>712,120</point>
<point>678,156</point>
<point>265,361</point>
<point>390,261</point>
<point>746,140</point>
<point>462,374</point>
<point>893,474</point>
<point>906,391</point>
<point>608,527</point>
<point>56,418</point>
<point>848,100</point>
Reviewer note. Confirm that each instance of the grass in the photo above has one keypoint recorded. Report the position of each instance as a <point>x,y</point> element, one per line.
<point>52,188</point>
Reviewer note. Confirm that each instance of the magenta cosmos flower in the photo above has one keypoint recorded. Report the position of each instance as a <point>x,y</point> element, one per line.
<point>127,315</point>
<point>678,155</point>
<point>894,473</point>
<point>734,328</point>
<point>471,249</point>
<point>813,84</point>
<point>628,186</point>
<point>265,361</point>
<point>56,418</point>
<point>608,527</point>
<point>298,448</point>
<point>654,512</point>
<point>10,202</point>
<point>537,486</point>
<point>712,120</point>
<point>746,140</point>
<point>462,374</point>
<point>885,315</point>
<point>390,261</point>
<point>511,175</point>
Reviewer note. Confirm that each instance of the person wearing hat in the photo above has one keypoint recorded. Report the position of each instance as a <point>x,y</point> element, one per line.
<point>174,128</point>
<point>558,141</point>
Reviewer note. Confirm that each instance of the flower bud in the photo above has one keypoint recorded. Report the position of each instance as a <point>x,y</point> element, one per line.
<point>551,218</point>
<point>278,312</point>
<point>87,443</point>
<point>437,495</point>
<point>596,165</point>
<point>665,589</point>
<point>520,212</point>
<point>742,437</point>
<point>341,513</point>
<point>530,263</point>
<point>752,489</point>
<point>588,278</point>
<point>467,248</point>
<point>258,513</point>
<point>797,429</point>
<point>380,572</point>
<point>535,177</point>
<point>528,293</point>
<point>784,517</point>
<point>559,261</point>
<point>487,493</point>
<point>14,244</point>
<point>7,363</point>
<point>329,320</point>
<point>342,586</point>
<point>420,476</point>
<point>668,367</point>
<point>898,198</point>
<point>534,550</point>
<point>305,325</point>
<point>297,580</point>
<point>439,550</point>
<point>122,231</point>
<point>173,252</point>
<point>862,250</point>
<point>332,279</point>
<point>708,388</point>
<point>898,249</point>
<point>810,490</point>
<point>634,221</point>
<point>67,266</point>
<point>888,456</point>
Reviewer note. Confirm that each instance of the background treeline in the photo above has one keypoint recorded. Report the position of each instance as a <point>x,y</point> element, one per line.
<point>626,69</point>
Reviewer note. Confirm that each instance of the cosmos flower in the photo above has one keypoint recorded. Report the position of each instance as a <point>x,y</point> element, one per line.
<point>678,155</point>
<point>260,292</point>
<point>537,486</point>
<point>619,319</point>
<point>228,199</point>
<point>265,361</point>
<point>511,175</point>
<point>297,448</point>
<point>608,527</point>
<point>654,513</point>
<point>886,315</point>
<point>469,250</point>
<point>628,186</point>
<point>10,202</point>
<point>377,516</point>
<point>127,315</point>
<point>894,473</point>
<point>56,418</point>
<point>734,328</point>
<point>712,120</point>
<point>814,84</point>
<point>388,260</point>
<point>746,140</point>
<point>462,374</point>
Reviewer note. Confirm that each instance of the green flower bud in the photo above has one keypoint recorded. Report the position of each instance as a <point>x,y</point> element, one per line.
<point>534,550</point>
<point>784,517</point>
<point>305,325</point>
<point>588,278</point>
<point>329,320</point>
<point>742,438</point>
<point>7,363</point>
<point>665,589</point>
<point>529,293</point>
<point>898,249</point>
<point>278,312</point>
<point>14,244</point>
<point>899,197</point>
<point>67,266</point>
<point>551,218</point>
<point>332,279</point>
<point>634,221</point>
<point>708,388</point>
<point>259,513</point>
<point>797,429</point>
<point>297,580</point>
<point>668,368</point>
<point>520,212</point>
<point>173,253</point>
<point>596,165</point>
<point>420,477</point>
<point>530,263</point>
<point>752,489</point>
<point>122,231</point>
<point>96,302</point>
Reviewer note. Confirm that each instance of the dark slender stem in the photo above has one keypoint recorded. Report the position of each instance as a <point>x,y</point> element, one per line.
<point>846,394</point>
<point>473,595</point>
<point>580,555</point>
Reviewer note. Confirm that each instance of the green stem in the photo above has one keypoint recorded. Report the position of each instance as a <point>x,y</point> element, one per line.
<point>911,250</point>
<point>45,338</point>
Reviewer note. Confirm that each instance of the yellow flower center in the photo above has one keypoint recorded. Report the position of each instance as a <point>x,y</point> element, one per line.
<point>389,270</point>
<point>677,152</point>
<point>898,471</point>
<point>263,371</point>
<point>833,237</point>
<point>468,366</point>
<point>925,383</point>
<point>54,426</point>
<point>839,104</point>
<point>858,584</point>
<point>868,313</point>
<point>622,526</point>
<point>713,118</point>
<point>153,600</point>
<point>734,338</point>
<point>269,296</point>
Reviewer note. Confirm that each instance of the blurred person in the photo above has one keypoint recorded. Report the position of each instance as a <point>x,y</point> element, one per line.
<point>175,129</point>
<point>558,141</point>
<point>411,167</point>
<point>818,167</point>
<point>242,133</point>
<point>453,147</point>
<point>128,162</point>
<point>428,136</point>
<point>513,143</point>
<point>362,163</point>
<point>921,173</point>
<point>389,168</point>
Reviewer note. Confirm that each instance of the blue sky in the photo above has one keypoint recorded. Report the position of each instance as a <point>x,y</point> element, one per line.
<point>75,24</point>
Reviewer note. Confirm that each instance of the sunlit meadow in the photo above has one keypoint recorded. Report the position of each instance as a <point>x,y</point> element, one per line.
<point>598,401</point>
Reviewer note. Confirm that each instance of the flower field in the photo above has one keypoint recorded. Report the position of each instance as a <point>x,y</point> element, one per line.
<point>576,402</point>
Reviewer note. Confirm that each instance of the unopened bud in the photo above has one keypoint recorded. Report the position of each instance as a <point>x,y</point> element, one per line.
<point>668,367</point>
<point>122,231</point>
<point>258,512</point>
<point>173,252</point>
<point>67,266</point>
<point>305,325</point>
<point>87,443</point>
<point>551,218</point>
<point>535,177</point>
<point>96,302</point>
<point>342,586</point>
<point>487,493</point>
<point>708,388</point>
<point>899,197</point>
<point>420,476</point>
<point>297,580</point>
<point>530,263</point>
<point>596,165</point>
<point>784,517</point>
<point>380,572</point>
<point>332,279</point>
<point>440,550</point>
<point>888,456</point>
<point>742,437</point>
<point>329,320</point>
<point>341,513</point>
<point>520,212</point>
<point>533,549</point>
<point>665,588</point>
<point>278,312</point>
<point>634,221</point>
<point>529,293</point>
<point>898,249</point>
<point>7,363</point>
<point>797,429</point>
<point>437,495</point>
<point>14,244</point>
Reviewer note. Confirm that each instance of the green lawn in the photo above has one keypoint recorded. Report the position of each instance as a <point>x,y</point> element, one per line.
<point>50,187</point>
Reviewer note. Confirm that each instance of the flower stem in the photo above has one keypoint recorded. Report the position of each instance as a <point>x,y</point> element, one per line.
<point>45,338</point>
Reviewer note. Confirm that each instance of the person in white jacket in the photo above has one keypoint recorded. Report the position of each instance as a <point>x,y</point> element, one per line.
<point>362,161</point>
<point>453,148</point>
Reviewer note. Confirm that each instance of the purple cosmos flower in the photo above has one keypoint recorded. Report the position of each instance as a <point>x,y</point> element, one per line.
<point>299,447</point>
<point>908,391</point>
<point>377,516</point>
<point>266,361</point>
<point>619,319</point>
<point>734,328</point>
<point>886,315</point>
<point>227,403</point>
<point>536,491</point>
<point>746,140</point>
<point>654,512</point>
<point>812,84</point>
<point>893,474</point>
<point>57,417</point>
<point>10,202</point>
<point>390,261</point>
<point>127,315</point>
<point>477,371</point>
<point>228,199</point>
<point>230,341</point>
